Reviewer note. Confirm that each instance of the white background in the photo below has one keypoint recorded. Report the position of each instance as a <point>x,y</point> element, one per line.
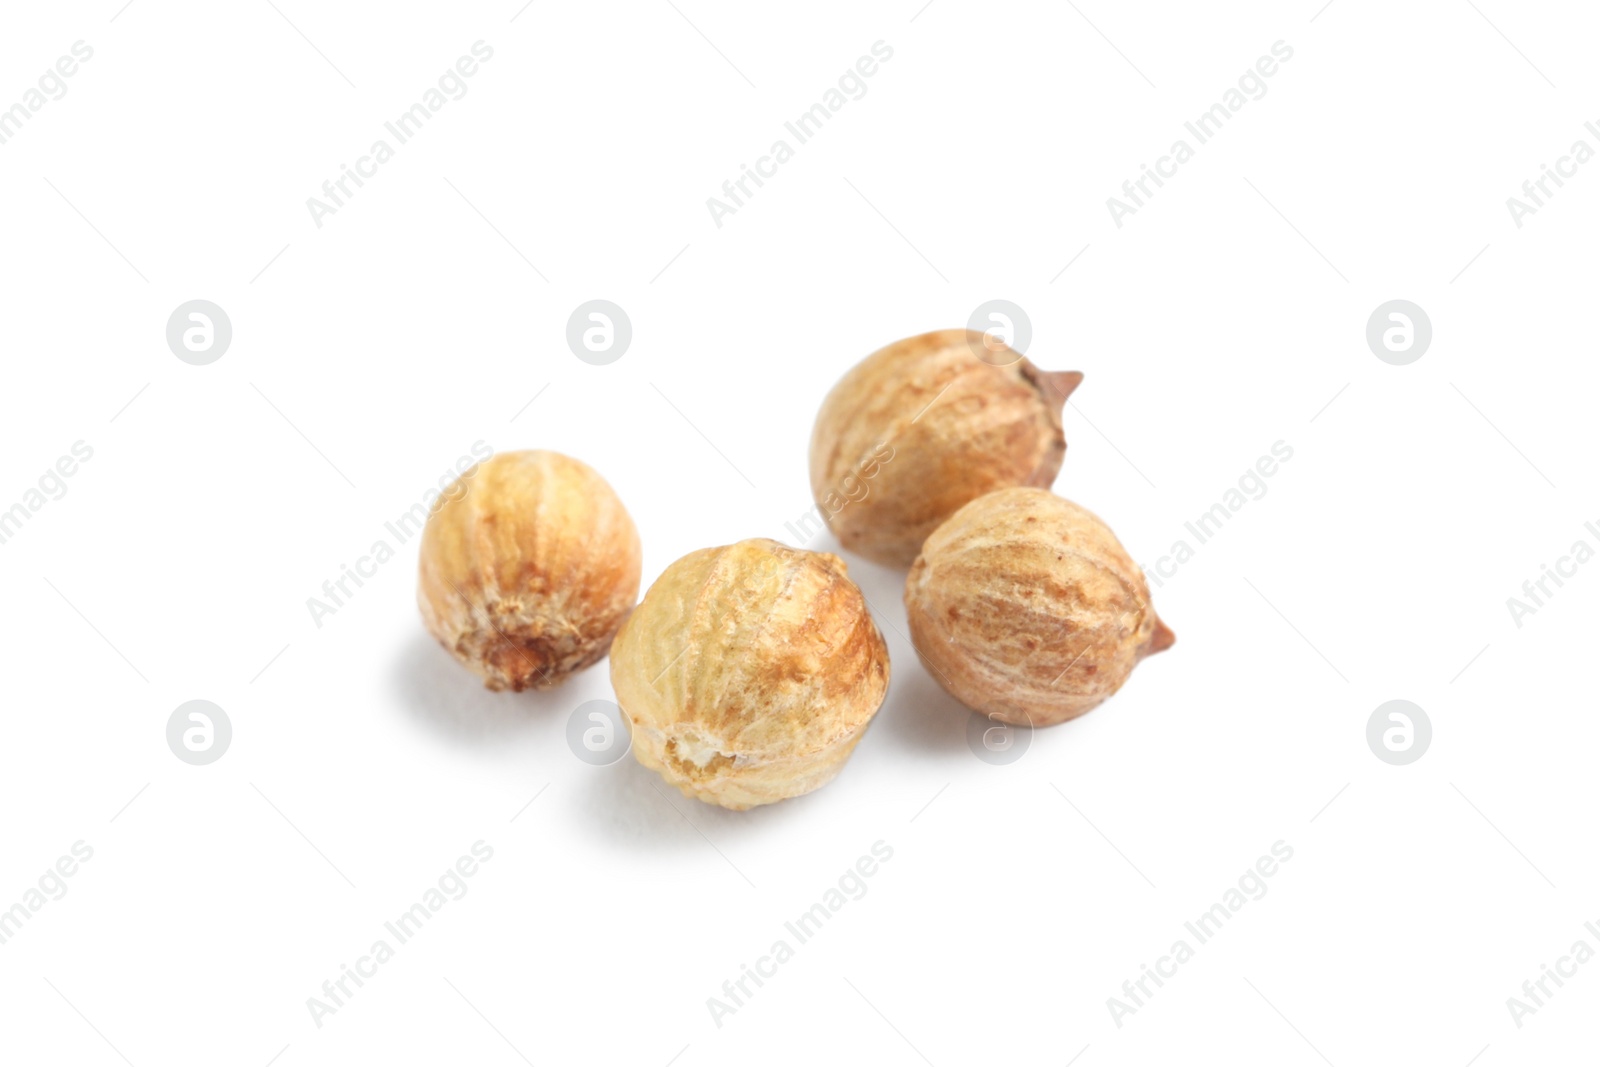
<point>1226,315</point>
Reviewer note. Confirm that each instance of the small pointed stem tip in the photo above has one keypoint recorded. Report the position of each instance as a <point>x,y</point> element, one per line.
<point>1160,640</point>
<point>1060,383</point>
